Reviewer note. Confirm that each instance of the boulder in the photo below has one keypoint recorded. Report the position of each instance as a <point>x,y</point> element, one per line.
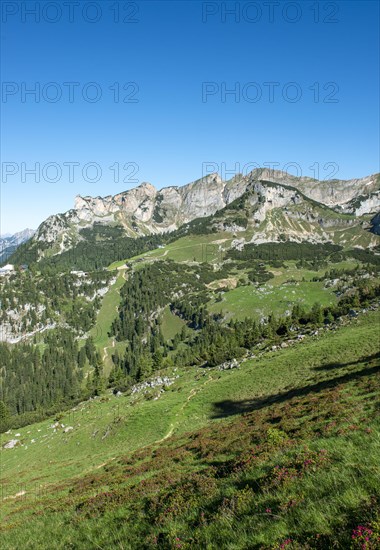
<point>11,444</point>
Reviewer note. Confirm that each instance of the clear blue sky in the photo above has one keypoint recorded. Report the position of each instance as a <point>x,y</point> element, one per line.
<point>171,131</point>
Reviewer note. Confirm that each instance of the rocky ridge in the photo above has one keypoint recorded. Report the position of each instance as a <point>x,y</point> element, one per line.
<point>9,243</point>
<point>145,210</point>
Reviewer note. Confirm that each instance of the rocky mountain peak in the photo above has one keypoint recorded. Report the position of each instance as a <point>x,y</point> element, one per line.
<point>148,187</point>
<point>146,210</point>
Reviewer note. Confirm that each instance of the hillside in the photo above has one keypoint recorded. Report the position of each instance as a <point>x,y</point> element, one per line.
<point>190,335</point>
<point>206,386</point>
<point>244,457</point>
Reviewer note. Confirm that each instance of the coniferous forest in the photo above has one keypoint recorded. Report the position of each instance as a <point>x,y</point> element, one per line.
<point>46,371</point>
<point>190,275</point>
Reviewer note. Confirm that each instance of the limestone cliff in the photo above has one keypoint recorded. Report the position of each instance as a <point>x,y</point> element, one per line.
<point>145,210</point>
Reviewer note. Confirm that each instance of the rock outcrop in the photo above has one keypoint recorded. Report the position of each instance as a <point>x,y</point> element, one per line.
<point>145,210</point>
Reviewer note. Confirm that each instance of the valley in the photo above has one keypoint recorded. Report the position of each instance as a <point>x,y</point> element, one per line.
<point>190,275</point>
<point>207,384</point>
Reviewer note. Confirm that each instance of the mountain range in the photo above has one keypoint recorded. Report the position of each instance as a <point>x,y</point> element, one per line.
<point>9,243</point>
<point>192,361</point>
<point>273,204</point>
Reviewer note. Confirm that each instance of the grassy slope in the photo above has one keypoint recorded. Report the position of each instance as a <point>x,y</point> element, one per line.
<point>171,324</point>
<point>107,312</point>
<point>106,315</point>
<point>202,248</point>
<point>250,301</point>
<point>247,300</point>
<point>212,401</point>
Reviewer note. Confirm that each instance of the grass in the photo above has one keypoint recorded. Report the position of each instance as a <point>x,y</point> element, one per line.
<point>107,312</point>
<point>289,286</point>
<point>106,315</point>
<point>292,272</point>
<point>199,248</point>
<point>171,324</point>
<point>197,467</point>
<point>250,301</point>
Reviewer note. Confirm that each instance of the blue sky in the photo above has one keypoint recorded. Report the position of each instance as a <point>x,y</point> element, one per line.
<point>323,116</point>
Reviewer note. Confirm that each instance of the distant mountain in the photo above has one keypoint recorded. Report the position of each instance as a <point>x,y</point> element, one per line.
<point>9,243</point>
<point>277,204</point>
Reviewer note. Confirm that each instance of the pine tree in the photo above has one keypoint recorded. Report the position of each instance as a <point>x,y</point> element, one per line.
<point>4,417</point>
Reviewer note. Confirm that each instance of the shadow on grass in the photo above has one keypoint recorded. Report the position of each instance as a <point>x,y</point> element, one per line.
<point>332,366</point>
<point>230,408</point>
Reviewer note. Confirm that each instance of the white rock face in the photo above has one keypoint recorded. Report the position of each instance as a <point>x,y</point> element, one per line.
<point>369,205</point>
<point>329,192</point>
<point>145,210</point>
<point>202,198</point>
<point>274,197</point>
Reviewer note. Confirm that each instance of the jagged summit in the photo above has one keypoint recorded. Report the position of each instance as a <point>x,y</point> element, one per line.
<point>146,210</point>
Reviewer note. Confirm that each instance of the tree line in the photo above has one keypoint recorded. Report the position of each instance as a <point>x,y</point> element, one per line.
<point>38,379</point>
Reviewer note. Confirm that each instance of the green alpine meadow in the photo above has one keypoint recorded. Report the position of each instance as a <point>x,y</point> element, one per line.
<point>190,275</point>
<point>207,389</point>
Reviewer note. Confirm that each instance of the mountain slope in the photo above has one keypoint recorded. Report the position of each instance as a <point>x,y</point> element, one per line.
<point>249,457</point>
<point>145,211</point>
<point>9,243</point>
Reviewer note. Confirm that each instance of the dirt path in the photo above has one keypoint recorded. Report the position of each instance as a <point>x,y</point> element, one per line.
<point>193,393</point>
<point>105,354</point>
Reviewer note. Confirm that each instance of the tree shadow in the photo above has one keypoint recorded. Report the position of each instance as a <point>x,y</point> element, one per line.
<point>230,408</point>
<point>332,366</point>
